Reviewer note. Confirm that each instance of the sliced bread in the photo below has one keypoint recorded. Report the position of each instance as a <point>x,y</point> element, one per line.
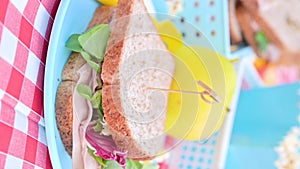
<point>136,59</point>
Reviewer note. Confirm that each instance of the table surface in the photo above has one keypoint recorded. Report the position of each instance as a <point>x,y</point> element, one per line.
<point>25,27</point>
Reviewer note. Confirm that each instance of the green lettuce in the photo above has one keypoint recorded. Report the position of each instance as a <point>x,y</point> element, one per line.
<point>130,164</point>
<point>261,40</point>
<point>91,45</point>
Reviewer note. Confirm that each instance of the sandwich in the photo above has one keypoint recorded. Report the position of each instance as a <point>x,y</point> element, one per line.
<point>106,113</point>
<point>272,29</point>
<point>235,30</point>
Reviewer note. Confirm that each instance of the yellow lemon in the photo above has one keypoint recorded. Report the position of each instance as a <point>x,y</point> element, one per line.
<point>230,86</point>
<point>189,116</point>
<point>109,2</point>
<point>169,34</point>
<point>224,80</point>
<point>187,113</point>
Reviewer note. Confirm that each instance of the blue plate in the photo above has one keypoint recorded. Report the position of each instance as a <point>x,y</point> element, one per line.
<point>72,17</point>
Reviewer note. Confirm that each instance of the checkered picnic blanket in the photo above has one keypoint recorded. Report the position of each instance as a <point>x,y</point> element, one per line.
<point>25,27</point>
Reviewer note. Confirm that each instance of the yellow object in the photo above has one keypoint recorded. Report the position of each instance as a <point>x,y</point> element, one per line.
<point>260,63</point>
<point>169,34</point>
<point>189,116</point>
<point>109,2</point>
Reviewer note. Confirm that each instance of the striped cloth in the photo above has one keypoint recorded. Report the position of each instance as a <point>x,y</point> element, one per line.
<point>25,27</point>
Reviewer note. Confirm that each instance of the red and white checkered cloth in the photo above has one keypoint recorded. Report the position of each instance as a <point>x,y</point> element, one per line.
<point>25,27</point>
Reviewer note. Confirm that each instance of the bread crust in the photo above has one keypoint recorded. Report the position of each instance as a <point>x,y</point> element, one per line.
<point>102,15</point>
<point>116,43</point>
<point>120,131</point>
<point>110,75</point>
<point>64,113</point>
<point>244,19</point>
<point>75,61</point>
<point>113,109</point>
<point>235,30</point>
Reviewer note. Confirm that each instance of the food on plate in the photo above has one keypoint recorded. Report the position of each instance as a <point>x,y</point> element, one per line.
<point>200,66</point>
<point>108,108</point>
<point>109,2</point>
<point>235,30</point>
<point>272,29</point>
<point>116,119</point>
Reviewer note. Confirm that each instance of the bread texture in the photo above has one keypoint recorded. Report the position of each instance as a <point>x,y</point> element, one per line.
<point>102,15</point>
<point>64,96</point>
<point>75,61</point>
<point>244,19</point>
<point>136,59</point>
<point>64,113</point>
<point>235,30</point>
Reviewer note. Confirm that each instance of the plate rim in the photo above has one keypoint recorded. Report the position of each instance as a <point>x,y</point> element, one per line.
<point>49,75</point>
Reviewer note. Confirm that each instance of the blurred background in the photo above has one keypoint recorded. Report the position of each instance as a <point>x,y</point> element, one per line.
<point>262,130</point>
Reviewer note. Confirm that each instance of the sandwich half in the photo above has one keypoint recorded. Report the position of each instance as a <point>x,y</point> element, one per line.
<point>70,76</point>
<point>272,28</point>
<point>235,30</point>
<point>135,60</point>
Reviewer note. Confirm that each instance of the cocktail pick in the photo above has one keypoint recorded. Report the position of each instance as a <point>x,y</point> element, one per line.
<point>207,92</point>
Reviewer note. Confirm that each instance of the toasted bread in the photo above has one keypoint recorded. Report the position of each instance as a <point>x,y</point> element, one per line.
<point>128,70</point>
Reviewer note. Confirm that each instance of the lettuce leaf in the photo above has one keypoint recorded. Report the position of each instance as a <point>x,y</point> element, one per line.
<point>137,165</point>
<point>73,43</point>
<point>95,40</point>
<point>150,166</point>
<point>91,45</point>
<point>130,164</point>
<point>96,100</point>
<point>85,91</point>
<point>261,40</point>
<point>91,61</point>
<point>100,160</point>
<point>104,146</point>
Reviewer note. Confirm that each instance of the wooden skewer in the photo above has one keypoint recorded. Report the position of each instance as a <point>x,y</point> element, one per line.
<point>208,91</point>
<point>174,91</point>
<point>211,93</point>
<point>234,60</point>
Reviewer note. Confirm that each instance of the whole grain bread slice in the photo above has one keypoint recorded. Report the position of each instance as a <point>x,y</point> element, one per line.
<point>64,113</point>
<point>136,59</point>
